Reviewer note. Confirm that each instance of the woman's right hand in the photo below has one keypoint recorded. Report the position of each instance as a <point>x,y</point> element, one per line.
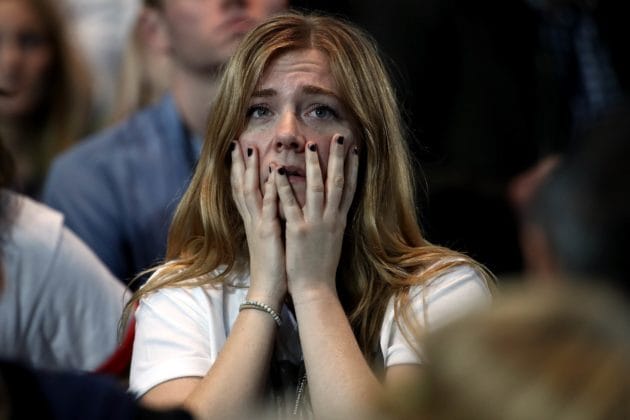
<point>259,212</point>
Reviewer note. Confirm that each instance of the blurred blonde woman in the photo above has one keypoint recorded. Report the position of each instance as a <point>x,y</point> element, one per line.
<point>543,353</point>
<point>44,88</point>
<point>295,262</point>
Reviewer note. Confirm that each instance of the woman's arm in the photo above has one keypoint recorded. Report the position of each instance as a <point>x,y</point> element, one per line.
<point>341,383</point>
<point>236,380</point>
<point>339,378</point>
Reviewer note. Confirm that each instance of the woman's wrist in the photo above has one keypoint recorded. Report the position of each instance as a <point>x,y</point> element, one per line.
<point>272,298</point>
<point>313,292</point>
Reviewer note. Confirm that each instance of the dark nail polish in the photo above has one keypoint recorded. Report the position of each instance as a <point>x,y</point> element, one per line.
<point>340,140</point>
<point>232,146</point>
<point>356,150</point>
<point>250,151</point>
<point>281,170</point>
<point>270,169</point>
<point>312,147</point>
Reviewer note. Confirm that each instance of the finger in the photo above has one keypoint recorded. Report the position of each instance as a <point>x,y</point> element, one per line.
<point>314,183</point>
<point>335,179</point>
<point>251,191</point>
<point>288,202</point>
<point>351,177</point>
<point>237,174</point>
<point>270,198</point>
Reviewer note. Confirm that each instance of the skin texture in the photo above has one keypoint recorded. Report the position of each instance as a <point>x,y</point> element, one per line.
<point>25,58</point>
<point>203,34</point>
<point>199,36</point>
<point>293,151</point>
<point>295,105</point>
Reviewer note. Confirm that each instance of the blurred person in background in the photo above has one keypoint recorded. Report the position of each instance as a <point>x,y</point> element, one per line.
<point>44,89</point>
<point>59,305</point>
<point>101,29</point>
<point>578,222</point>
<point>119,188</point>
<point>145,70</point>
<point>542,353</point>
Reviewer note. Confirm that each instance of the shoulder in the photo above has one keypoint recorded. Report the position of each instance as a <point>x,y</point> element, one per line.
<point>121,141</point>
<point>45,246</point>
<point>192,297</point>
<point>37,228</point>
<point>448,295</point>
<point>458,281</point>
<point>431,304</point>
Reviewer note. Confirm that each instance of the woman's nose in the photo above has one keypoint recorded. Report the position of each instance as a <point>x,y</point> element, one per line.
<point>288,133</point>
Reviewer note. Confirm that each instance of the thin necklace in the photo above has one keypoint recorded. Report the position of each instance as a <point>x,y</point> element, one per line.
<point>300,393</point>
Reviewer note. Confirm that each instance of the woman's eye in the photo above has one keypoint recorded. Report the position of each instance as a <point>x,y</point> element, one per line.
<point>324,112</point>
<point>258,111</point>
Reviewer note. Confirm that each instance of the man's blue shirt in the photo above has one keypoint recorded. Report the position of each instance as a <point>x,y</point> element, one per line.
<point>119,188</point>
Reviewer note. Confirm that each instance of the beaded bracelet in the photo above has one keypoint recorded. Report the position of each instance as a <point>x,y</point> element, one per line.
<point>252,304</point>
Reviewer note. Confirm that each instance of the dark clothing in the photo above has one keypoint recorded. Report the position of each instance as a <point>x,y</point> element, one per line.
<point>36,394</point>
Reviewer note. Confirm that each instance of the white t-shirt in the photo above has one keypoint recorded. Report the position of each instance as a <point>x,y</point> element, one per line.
<point>180,331</point>
<point>60,306</point>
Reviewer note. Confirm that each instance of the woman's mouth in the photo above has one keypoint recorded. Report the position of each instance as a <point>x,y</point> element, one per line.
<point>295,174</point>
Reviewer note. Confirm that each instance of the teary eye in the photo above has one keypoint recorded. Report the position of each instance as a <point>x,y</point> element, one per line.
<point>324,112</point>
<point>258,111</point>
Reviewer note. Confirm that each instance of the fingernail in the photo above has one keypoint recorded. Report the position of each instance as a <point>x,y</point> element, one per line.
<point>250,151</point>
<point>232,146</point>
<point>340,140</point>
<point>269,168</point>
<point>356,150</point>
<point>281,170</point>
<point>312,147</point>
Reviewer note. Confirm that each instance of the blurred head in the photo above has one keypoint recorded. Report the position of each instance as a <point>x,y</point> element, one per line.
<point>26,56</point>
<point>543,354</point>
<point>581,214</point>
<point>201,35</point>
<point>44,86</point>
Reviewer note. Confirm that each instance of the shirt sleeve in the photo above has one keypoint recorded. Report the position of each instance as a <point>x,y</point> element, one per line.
<point>84,311</point>
<point>443,299</point>
<point>179,332</point>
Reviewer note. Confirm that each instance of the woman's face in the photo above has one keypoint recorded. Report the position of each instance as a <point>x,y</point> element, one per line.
<point>296,103</point>
<point>25,58</point>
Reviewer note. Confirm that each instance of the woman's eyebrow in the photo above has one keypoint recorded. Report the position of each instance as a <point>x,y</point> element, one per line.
<point>306,89</point>
<point>264,93</point>
<point>316,90</point>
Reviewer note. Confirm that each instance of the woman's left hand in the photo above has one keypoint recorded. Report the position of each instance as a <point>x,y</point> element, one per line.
<point>314,233</point>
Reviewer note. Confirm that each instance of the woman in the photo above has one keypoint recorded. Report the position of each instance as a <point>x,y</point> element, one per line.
<point>300,212</point>
<point>44,95</point>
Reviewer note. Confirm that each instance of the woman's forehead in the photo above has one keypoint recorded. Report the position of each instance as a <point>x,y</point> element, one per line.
<point>298,66</point>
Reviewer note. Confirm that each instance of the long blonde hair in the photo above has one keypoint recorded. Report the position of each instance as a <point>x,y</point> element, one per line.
<point>384,252</point>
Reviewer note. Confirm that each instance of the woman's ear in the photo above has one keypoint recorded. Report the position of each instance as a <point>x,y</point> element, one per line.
<point>152,30</point>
